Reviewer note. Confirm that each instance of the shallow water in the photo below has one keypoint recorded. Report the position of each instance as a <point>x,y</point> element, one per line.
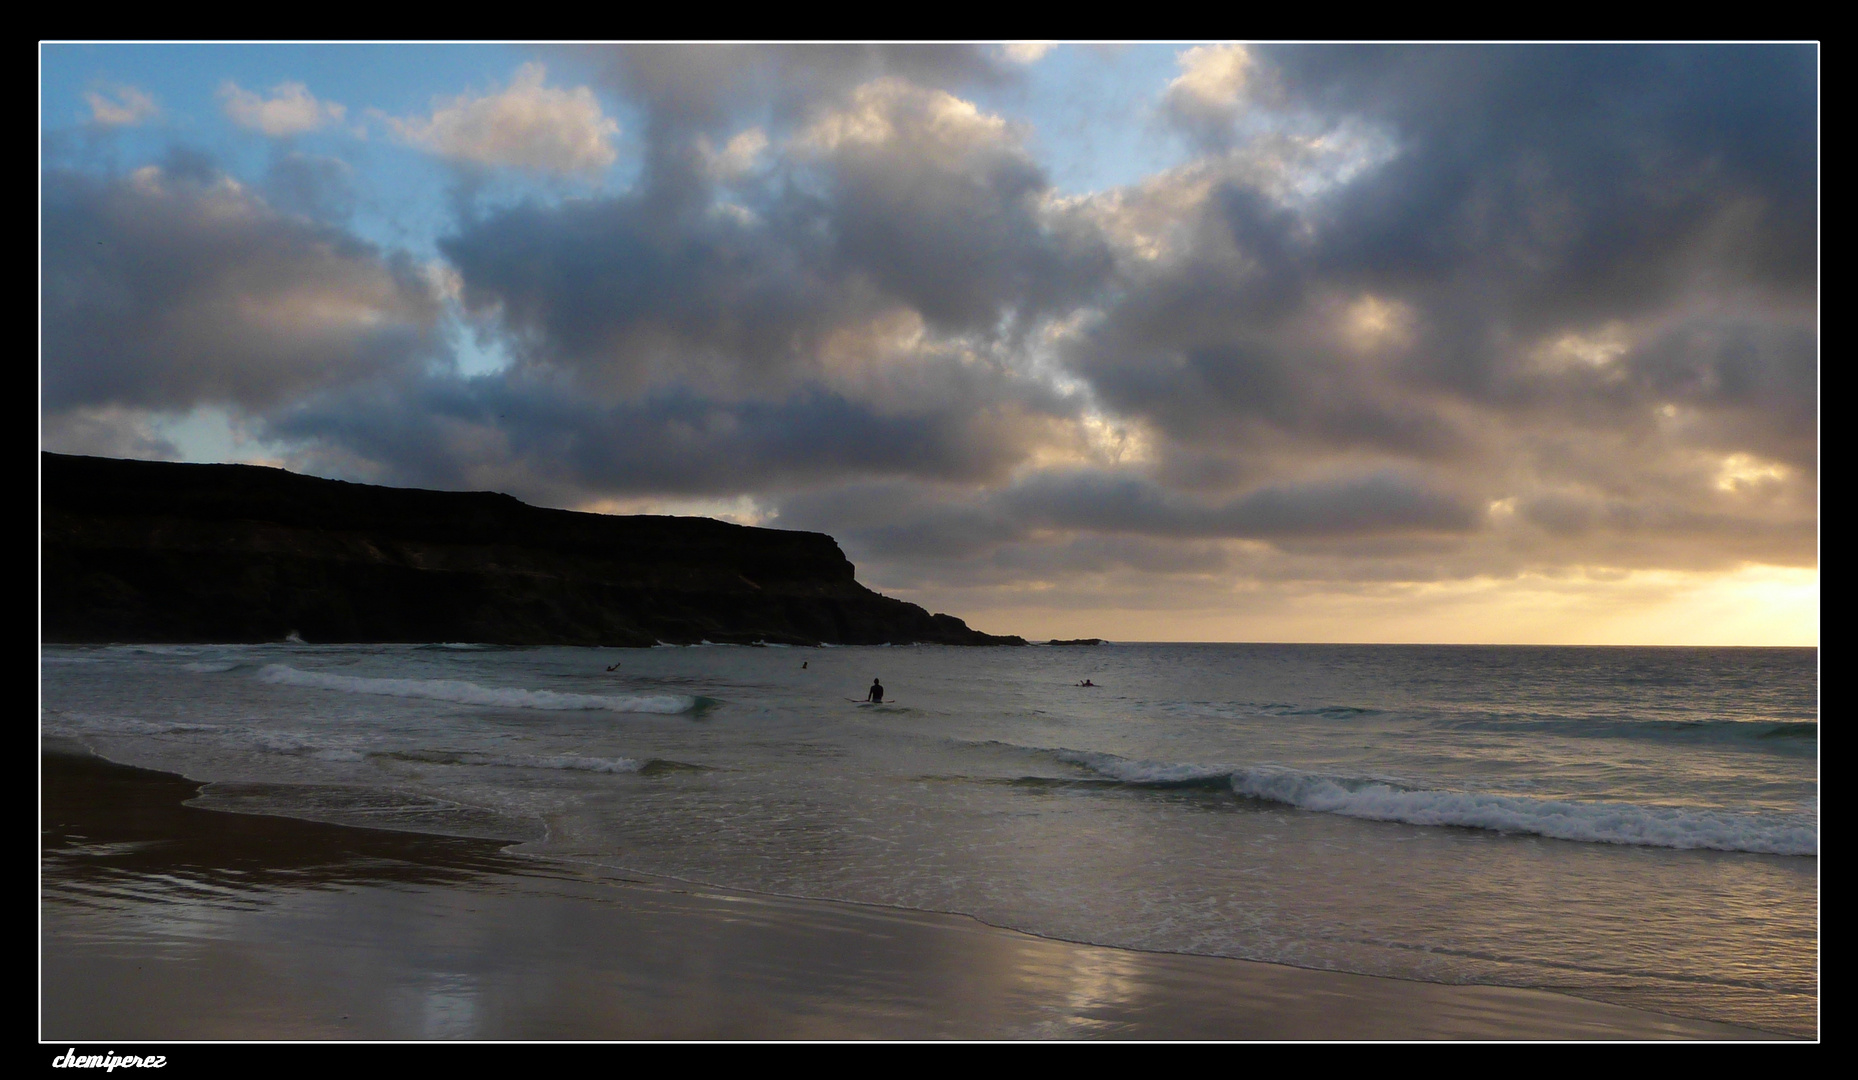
<point>1631,825</point>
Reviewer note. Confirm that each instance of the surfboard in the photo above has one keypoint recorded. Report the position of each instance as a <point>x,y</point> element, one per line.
<point>862,701</point>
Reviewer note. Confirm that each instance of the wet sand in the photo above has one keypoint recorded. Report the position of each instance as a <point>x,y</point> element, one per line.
<point>168,922</point>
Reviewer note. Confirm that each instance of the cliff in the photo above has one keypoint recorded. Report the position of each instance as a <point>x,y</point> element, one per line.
<point>159,552</point>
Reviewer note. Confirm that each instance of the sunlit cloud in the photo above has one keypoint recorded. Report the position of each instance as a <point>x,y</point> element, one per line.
<point>1740,472</point>
<point>528,125</point>
<point>1027,52</point>
<point>290,110</point>
<point>121,106</point>
<point>736,157</point>
<point>1212,76</point>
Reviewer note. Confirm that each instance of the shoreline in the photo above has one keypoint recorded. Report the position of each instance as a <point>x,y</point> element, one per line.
<point>174,923</point>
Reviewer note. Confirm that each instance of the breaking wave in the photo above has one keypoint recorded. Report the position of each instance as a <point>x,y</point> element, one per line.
<point>1381,800</point>
<point>466,693</point>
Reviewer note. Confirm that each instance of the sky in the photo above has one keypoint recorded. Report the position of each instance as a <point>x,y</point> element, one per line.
<point>1195,341</point>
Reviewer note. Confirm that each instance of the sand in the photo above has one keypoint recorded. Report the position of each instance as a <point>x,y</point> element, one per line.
<point>165,922</point>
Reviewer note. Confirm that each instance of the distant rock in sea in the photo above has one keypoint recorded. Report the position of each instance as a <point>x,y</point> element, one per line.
<point>150,551</point>
<point>1076,641</point>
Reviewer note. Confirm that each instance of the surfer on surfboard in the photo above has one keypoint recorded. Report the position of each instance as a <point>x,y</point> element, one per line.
<point>876,696</point>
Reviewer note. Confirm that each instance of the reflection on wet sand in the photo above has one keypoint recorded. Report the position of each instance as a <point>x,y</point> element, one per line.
<point>168,921</point>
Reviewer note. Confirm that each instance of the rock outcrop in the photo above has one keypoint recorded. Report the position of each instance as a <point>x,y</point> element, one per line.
<point>149,551</point>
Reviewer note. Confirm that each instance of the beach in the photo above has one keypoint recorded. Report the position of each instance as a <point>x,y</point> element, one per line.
<point>171,923</point>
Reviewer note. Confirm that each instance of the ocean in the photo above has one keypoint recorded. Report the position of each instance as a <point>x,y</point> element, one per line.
<point>1631,825</point>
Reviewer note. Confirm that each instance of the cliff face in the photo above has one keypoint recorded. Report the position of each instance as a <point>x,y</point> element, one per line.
<point>160,552</point>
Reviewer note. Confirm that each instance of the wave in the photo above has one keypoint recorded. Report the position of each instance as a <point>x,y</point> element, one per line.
<point>1383,800</point>
<point>105,724</point>
<point>279,742</point>
<point>571,762</point>
<point>1236,709</point>
<point>155,650</point>
<point>1730,732</point>
<point>210,667</point>
<point>466,693</point>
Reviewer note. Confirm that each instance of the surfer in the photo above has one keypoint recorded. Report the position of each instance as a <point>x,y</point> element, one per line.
<point>876,696</point>
<point>803,665</point>
<point>1087,682</point>
<point>615,666</point>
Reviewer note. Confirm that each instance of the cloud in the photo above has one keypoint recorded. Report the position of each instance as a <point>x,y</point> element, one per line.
<point>693,94</point>
<point>311,185</point>
<point>1406,317</point>
<point>121,106</point>
<point>1214,91</point>
<point>1212,77</point>
<point>176,285</point>
<point>908,208</point>
<point>527,126</point>
<point>1027,52</point>
<point>290,110</point>
<point>541,439</point>
<point>941,205</point>
<point>736,157</point>
<point>1107,502</point>
<point>106,432</point>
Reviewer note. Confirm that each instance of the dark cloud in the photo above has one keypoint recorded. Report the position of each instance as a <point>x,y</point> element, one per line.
<point>611,289</point>
<point>1107,502</point>
<point>1756,379</point>
<point>1571,184</point>
<point>566,448</point>
<point>174,286</point>
<point>942,207</point>
<point>313,186</point>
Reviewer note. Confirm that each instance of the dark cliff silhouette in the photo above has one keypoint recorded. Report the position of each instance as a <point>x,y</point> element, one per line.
<point>151,551</point>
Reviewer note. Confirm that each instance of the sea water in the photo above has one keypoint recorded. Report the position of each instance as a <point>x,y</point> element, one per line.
<point>1632,825</point>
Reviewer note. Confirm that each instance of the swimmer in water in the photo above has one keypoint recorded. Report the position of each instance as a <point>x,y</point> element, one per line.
<point>1087,682</point>
<point>615,666</point>
<point>877,693</point>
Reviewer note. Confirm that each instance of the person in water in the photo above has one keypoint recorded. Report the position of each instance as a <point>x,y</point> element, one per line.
<point>1087,682</point>
<point>877,692</point>
<point>615,666</point>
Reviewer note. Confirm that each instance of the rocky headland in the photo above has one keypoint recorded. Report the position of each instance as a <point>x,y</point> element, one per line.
<point>144,551</point>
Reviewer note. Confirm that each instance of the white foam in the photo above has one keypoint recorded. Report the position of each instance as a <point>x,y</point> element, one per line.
<point>472,694</point>
<point>1604,823</point>
<point>156,650</point>
<point>108,724</point>
<point>1143,772</point>
<point>209,667</point>
<point>1590,822</point>
<point>287,743</point>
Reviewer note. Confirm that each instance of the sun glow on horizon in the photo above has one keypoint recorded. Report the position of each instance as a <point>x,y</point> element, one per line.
<point>1755,605</point>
